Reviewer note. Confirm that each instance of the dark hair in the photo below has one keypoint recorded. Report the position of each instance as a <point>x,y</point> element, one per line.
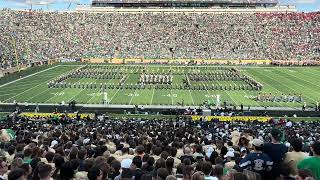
<point>26,167</point>
<point>164,155</point>
<point>199,149</point>
<point>240,176</point>
<point>44,170</point>
<point>116,165</point>
<point>27,152</point>
<point>16,174</point>
<point>146,176</point>
<point>34,162</point>
<point>157,151</point>
<point>140,149</point>
<point>316,148</point>
<point>207,168</point>
<point>11,149</point>
<point>187,171</point>
<point>93,173</point>
<point>173,151</point>
<point>161,163</point>
<point>82,154</point>
<point>218,171</point>
<point>170,163</point>
<point>304,173</point>
<point>66,171</point>
<point>137,161</point>
<point>49,156</point>
<point>162,173</point>
<point>297,144</point>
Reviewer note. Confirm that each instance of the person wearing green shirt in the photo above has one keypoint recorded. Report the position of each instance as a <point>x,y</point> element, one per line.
<point>312,163</point>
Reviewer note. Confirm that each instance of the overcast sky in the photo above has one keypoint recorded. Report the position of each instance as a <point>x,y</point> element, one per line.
<point>302,5</point>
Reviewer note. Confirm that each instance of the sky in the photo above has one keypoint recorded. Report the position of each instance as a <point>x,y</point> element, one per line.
<point>302,5</point>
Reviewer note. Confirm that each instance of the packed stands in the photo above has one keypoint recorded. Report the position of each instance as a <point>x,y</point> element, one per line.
<point>39,148</point>
<point>26,35</point>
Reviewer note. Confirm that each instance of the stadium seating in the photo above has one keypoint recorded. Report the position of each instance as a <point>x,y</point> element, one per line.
<point>26,35</point>
<point>145,149</point>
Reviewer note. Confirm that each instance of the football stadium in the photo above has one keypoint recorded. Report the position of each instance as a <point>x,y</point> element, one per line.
<point>159,90</point>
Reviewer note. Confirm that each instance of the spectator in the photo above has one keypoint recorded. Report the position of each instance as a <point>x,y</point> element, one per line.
<point>257,161</point>
<point>276,151</point>
<point>17,174</point>
<point>312,163</point>
<point>296,156</point>
<point>44,172</point>
<point>95,174</point>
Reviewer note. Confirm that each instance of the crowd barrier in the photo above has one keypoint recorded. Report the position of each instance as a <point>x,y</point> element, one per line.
<point>48,115</point>
<point>229,118</point>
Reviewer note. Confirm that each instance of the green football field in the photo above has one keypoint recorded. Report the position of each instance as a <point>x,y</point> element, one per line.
<point>279,81</point>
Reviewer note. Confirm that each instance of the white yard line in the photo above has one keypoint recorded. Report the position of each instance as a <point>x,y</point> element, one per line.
<point>171,97</point>
<point>28,76</point>
<point>133,95</point>
<point>152,96</point>
<point>191,98</point>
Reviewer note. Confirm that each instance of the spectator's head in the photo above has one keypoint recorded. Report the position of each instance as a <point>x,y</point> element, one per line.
<point>3,165</point>
<point>198,176</point>
<point>257,144</point>
<point>115,166</point>
<point>140,150</point>
<point>95,174</point>
<point>303,174</point>
<point>16,163</point>
<point>164,155</point>
<point>82,154</point>
<point>136,162</point>
<point>297,144</point>
<point>58,161</point>
<point>240,176</point>
<point>171,177</point>
<point>67,171</point>
<point>162,173</point>
<point>11,150</point>
<point>187,172</point>
<point>315,147</point>
<point>49,156</point>
<point>275,135</point>
<point>27,153</point>
<point>218,171</point>
<point>27,168</point>
<point>207,168</point>
<point>17,174</point>
<point>44,171</point>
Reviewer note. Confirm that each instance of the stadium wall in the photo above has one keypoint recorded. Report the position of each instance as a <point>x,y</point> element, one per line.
<point>173,61</point>
<point>275,9</point>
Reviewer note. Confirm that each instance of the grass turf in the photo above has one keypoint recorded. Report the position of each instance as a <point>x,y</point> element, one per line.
<point>275,80</point>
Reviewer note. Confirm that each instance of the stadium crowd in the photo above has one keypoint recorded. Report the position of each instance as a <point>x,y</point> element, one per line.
<point>159,150</point>
<point>26,35</point>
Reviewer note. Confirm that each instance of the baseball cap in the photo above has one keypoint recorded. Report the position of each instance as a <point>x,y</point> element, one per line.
<point>229,154</point>
<point>126,163</point>
<point>257,142</point>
